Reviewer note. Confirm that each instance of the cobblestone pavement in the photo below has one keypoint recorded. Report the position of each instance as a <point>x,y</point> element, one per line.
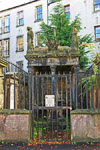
<point>23,146</point>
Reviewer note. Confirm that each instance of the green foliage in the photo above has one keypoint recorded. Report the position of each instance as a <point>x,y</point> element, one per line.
<point>88,82</point>
<point>95,59</point>
<point>60,28</point>
<point>84,42</point>
<point>2,142</point>
<point>74,143</point>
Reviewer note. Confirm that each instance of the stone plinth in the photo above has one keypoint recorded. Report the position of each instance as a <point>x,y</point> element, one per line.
<point>85,125</point>
<point>15,125</point>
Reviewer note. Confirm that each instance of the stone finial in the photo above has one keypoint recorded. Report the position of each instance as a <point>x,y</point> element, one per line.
<point>52,43</point>
<point>75,42</point>
<point>30,36</point>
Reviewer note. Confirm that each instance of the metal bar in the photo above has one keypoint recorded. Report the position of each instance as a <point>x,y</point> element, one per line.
<point>61,93</point>
<point>50,75</point>
<point>47,85</point>
<point>96,92</point>
<point>57,91</point>
<point>37,79</point>
<point>76,90</point>
<point>67,121</point>
<point>52,123</point>
<point>66,109</point>
<point>86,92</point>
<point>29,91</point>
<point>70,90</point>
<point>62,123</point>
<point>57,124</point>
<point>40,107</point>
<point>42,124</point>
<point>92,93</point>
<point>19,90</point>
<point>38,90</point>
<point>24,90</point>
<point>5,92</point>
<point>47,126</point>
<point>42,104</point>
<point>37,123</point>
<point>33,90</point>
<point>81,94</point>
<point>14,90</point>
<point>9,89</point>
<point>33,124</point>
<point>56,104</point>
<point>14,66</point>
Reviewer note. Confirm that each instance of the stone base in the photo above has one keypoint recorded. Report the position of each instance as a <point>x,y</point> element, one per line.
<point>14,125</point>
<point>85,125</point>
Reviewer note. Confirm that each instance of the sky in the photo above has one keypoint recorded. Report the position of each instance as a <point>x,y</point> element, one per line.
<point>4,4</point>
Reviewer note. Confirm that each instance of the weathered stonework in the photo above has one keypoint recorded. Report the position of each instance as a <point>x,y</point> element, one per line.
<point>85,125</point>
<point>15,125</point>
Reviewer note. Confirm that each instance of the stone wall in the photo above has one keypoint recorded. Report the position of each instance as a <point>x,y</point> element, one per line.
<point>15,125</point>
<point>85,125</point>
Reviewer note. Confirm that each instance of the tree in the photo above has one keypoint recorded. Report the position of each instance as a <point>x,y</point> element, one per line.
<point>60,27</point>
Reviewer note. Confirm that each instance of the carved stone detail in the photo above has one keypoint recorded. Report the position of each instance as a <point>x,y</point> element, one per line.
<point>30,35</point>
<point>75,42</point>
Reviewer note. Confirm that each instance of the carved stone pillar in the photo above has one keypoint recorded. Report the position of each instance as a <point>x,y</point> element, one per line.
<point>53,70</point>
<point>76,69</point>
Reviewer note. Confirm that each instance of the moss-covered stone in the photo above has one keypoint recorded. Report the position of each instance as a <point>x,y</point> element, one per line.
<point>85,111</point>
<point>43,52</point>
<point>14,111</point>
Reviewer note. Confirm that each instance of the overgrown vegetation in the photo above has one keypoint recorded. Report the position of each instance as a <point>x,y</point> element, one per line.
<point>60,27</point>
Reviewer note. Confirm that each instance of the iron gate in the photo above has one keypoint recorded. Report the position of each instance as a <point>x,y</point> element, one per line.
<point>51,123</point>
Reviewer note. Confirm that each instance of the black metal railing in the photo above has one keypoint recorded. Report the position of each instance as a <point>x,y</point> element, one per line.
<point>51,119</point>
<point>15,87</point>
<point>51,98</point>
<point>79,89</point>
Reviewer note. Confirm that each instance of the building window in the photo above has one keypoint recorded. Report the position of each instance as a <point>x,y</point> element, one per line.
<point>97,33</point>
<point>39,13</point>
<point>4,48</point>
<point>19,65</point>
<point>1,24</point>
<point>20,18</point>
<point>7,23</point>
<point>96,5</point>
<point>67,11</point>
<point>20,46</point>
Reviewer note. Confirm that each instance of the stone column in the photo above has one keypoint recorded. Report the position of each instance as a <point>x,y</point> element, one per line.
<point>53,70</point>
<point>30,86</point>
<point>76,69</point>
<point>1,89</point>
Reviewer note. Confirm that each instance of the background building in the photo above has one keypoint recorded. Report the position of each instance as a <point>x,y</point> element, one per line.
<point>14,22</point>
